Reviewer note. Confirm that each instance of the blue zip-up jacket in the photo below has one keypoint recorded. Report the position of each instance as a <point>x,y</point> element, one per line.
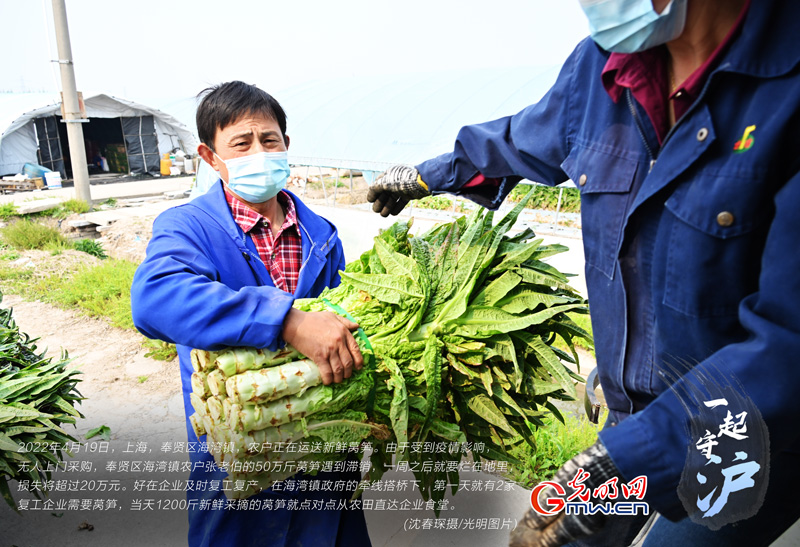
<point>699,240</point>
<point>203,285</point>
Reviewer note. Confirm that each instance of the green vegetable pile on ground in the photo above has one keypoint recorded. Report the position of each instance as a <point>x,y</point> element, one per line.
<point>37,396</point>
<point>459,324</point>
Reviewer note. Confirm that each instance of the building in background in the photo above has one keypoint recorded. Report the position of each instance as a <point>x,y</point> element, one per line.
<point>131,137</point>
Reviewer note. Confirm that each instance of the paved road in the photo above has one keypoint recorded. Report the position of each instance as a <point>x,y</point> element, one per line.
<point>102,192</point>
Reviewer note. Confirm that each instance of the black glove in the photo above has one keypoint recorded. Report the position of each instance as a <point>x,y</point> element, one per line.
<point>535,530</point>
<point>394,188</point>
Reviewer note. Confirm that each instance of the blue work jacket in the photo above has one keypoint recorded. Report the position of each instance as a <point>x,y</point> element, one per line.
<point>203,285</point>
<point>700,237</point>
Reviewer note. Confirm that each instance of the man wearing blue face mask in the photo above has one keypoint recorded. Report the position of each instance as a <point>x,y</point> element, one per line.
<point>224,270</point>
<point>678,122</point>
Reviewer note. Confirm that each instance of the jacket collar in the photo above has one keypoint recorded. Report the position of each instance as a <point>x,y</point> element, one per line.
<point>214,204</point>
<point>767,46</point>
<point>318,236</point>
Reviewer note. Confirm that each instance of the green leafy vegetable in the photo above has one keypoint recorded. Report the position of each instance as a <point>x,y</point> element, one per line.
<point>37,396</point>
<point>103,431</point>
<point>459,323</point>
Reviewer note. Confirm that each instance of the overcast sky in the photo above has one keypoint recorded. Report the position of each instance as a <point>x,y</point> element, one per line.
<point>157,47</point>
<point>163,52</point>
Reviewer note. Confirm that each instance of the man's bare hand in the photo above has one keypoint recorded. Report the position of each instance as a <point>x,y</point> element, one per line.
<point>325,338</point>
<point>536,530</point>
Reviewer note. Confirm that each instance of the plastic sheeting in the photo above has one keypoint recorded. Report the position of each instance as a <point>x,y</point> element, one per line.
<point>19,149</point>
<point>139,133</point>
<point>369,124</point>
<point>18,143</point>
<point>49,143</point>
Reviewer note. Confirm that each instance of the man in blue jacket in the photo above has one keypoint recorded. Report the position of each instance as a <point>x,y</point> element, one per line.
<point>678,121</point>
<point>224,270</point>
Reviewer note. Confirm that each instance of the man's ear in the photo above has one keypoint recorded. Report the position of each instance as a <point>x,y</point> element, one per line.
<point>286,141</point>
<point>208,156</point>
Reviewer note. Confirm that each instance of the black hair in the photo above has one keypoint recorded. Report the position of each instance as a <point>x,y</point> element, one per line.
<point>224,104</point>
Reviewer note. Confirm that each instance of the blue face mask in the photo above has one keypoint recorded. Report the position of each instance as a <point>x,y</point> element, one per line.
<point>258,177</point>
<point>628,26</point>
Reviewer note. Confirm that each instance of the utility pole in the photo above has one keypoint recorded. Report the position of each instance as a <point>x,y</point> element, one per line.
<point>72,110</point>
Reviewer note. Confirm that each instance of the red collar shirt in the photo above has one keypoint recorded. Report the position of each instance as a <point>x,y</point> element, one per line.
<point>646,75</point>
<point>281,253</point>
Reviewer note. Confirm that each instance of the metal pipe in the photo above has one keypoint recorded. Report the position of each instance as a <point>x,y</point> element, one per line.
<point>322,180</point>
<point>558,206</point>
<point>336,187</point>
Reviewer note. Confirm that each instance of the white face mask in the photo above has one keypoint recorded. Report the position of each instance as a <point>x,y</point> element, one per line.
<point>258,177</point>
<point>628,26</point>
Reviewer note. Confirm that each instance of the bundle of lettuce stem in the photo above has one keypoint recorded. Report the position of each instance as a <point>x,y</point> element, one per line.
<point>457,329</point>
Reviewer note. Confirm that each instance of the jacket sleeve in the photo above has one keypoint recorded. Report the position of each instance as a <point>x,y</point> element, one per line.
<point>531,145</point>
<point>178,295</point>
<point>762,368</point>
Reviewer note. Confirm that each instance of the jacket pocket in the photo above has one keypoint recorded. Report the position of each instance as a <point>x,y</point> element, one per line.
<point>719,224</point>
<point>605,181</point>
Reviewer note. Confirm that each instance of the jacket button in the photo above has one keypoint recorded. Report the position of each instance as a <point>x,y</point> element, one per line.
<point>725,219</point>
<point>702,134</point>
<point>582,179</point>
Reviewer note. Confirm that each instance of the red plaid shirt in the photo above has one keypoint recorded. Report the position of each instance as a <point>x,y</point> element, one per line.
<point>282,254</point>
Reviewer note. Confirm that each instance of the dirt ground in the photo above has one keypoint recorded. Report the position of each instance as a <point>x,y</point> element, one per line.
<point>137,398</point>
<point>315,192</point>
<point>114,370</point>
<point>111,359</point>
<point>127,238</point>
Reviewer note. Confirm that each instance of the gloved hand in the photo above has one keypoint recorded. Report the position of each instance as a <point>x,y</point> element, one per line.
<point>535,530</point>
<point>394,188</point>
